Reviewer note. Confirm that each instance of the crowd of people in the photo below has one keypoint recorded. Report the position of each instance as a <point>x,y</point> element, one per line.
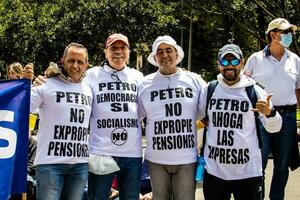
<point>90,129</point>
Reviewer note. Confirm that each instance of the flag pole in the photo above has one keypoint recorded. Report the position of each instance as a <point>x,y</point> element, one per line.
<point>24,196</point>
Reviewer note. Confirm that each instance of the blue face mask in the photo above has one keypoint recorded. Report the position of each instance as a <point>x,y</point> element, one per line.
<point>286,39</point>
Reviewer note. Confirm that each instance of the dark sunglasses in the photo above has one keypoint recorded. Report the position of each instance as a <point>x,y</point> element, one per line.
<point>233,62</point>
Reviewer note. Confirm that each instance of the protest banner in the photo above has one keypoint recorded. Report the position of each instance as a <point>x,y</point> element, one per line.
<point>14,123</point>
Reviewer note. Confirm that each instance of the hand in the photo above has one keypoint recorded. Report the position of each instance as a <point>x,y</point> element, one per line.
<point>28,72</point>
<point>263,106</point>
<point>248,72</point>
<point>200,124</point>
<point>147,196</point>
<point>40,80</point>
<point>113,194</point>
<point>204,122</point>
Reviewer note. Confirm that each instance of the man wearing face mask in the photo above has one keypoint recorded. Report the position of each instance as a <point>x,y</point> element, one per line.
<point>278,69</point>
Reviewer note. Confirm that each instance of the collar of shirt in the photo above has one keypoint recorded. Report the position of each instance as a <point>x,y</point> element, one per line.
<point>267,52</point>
<point>110,70</point>
<point>178,70</point>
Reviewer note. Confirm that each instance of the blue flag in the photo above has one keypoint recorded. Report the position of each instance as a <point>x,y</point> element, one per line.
<point>14,122</point>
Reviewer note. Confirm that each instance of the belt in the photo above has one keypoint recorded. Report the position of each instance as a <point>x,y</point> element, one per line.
<point>286,109</point>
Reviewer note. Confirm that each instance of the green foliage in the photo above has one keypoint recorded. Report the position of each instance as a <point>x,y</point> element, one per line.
<point>242,22</point>
<point>37,30</point>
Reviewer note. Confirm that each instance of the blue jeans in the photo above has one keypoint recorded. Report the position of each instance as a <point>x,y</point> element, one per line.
<point>128,177</point>
<point>281,145</point>
<point>61,181</point>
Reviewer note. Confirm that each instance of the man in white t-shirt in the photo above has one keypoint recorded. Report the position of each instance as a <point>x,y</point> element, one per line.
<point>115,139</point>
<point>64,104</point>
<point>168,99</point>
<point>115,142</point>
<point>231,152</point>
<point>278,69</point>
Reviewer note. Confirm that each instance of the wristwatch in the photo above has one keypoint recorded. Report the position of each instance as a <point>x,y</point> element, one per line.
<point>272,113</point>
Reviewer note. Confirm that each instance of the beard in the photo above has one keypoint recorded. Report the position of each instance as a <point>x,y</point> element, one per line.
<point>231,76</point>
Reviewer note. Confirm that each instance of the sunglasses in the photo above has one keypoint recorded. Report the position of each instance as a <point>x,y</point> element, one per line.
<point>226,63</point>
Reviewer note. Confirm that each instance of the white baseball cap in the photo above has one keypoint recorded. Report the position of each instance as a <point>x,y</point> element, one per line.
<point>281,24</point>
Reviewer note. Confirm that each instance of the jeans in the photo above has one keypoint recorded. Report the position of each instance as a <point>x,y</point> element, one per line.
<point>281,145</point>
<point>61,181</point>
<point>128,177</point>
<point>173,181</point>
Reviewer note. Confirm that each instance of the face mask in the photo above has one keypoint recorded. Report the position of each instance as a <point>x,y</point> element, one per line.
<point>286,39</point>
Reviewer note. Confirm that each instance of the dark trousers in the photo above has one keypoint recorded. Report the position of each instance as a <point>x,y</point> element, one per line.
<point>281,145</point>
<point>215,188</point>
<point>30,193</point>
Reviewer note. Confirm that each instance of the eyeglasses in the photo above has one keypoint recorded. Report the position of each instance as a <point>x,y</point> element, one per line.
<point>226,63</point>
<point>114,76</point>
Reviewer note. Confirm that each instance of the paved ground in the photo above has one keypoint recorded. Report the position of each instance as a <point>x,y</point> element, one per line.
<point>292,189</point>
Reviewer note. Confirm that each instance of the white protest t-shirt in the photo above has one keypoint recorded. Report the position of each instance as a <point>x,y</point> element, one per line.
<point>64,111</point>
<point>232,151</point>
<point>170,105</point>
<point>115,128</point>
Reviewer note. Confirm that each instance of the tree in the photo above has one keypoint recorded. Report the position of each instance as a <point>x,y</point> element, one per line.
<point>37,31</point>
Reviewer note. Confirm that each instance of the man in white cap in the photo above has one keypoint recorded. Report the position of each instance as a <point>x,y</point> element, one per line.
<point>115,137</point>
<point>168,99</point>
<point>231,151</point>
<point>278,69</point>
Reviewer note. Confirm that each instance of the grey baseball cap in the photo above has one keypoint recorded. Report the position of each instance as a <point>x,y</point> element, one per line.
<point>232,49</point>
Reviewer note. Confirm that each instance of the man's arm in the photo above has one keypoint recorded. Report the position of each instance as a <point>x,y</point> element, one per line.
<point>297,91</point>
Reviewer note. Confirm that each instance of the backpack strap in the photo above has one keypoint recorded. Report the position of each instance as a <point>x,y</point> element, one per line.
<point>253,98</point>
<point>210,90</point>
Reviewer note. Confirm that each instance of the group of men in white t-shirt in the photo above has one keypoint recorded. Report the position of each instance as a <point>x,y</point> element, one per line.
<point>112,99</point>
